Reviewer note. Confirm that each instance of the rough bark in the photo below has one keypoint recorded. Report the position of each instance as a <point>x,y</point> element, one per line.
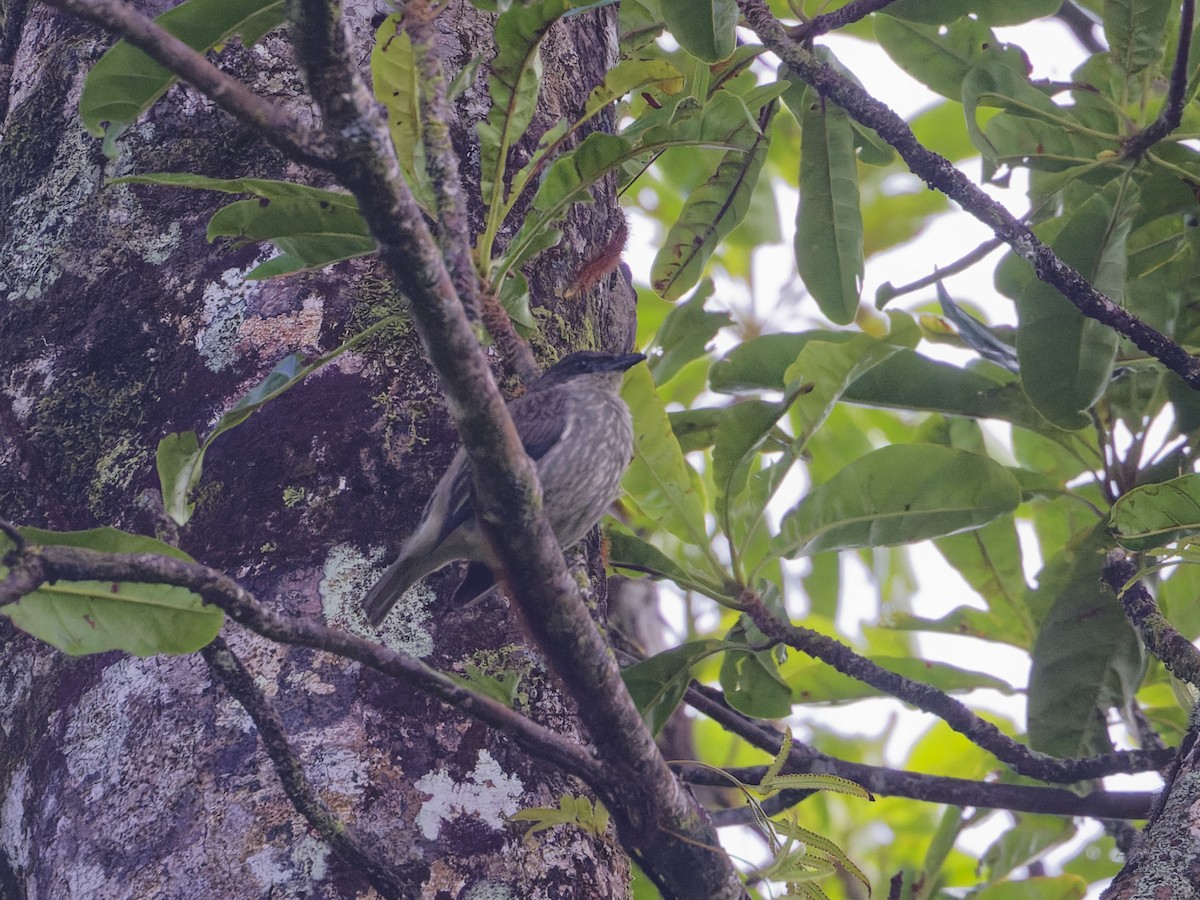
<point>118,324</point>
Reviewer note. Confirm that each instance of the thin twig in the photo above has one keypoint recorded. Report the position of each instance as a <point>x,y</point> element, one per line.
<point>888,292</point>
<point>1017,756</point>
<point>940,174</point>
<point>839,18</point>
<point>897,783</point>
<point>1171,113</point>
<point>228,669</point>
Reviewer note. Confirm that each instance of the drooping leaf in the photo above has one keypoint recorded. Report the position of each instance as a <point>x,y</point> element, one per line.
<point>1135,30</point>
<point>989,559</point>
<point>658,684</point>
<point>829,233</point>
<point>993,12</point>
<point>81,617</point>
<point>751,679</point>
<point>659,479</point>
<point>396,84</point>
<point>125,82</point>
<point>1066,358</point>
<point>709,214</point>
<point>940,57</point>
<point>1087,658</point>
<point>897,495</point>
<point>685,334</point>
<point>704,28</point>
<point>976,335</point>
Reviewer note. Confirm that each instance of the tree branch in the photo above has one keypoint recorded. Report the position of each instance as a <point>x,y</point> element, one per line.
<point>839,18</point>
<point>228,669</point>
<point>940,174</point>
<point>273,123</point>
<point>442,165</point>
<point>896,783</point>
<point>1017,756</point>
<point>40,564</point>
<point>1177,653</point>
<point>1171,114</point>
<point>660,824</point>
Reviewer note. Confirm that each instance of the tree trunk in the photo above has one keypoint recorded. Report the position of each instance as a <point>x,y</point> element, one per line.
<point>119,323</point>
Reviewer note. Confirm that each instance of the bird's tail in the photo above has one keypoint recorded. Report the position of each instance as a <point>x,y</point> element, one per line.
<point>400,576</point>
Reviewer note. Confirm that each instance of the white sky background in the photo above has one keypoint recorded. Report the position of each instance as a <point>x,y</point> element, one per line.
<point>1053,52</point>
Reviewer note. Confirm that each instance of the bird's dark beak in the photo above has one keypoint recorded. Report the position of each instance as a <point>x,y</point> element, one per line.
<point>626,361</point>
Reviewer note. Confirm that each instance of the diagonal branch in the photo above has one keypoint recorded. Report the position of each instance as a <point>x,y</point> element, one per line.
<point>38,565</point>
<point>839,18</point>
<point>979,731</point>
<point>896,783</point>
<point>1177,653</point>
<point>660,824</point>
<point>940,174</point>
<point>228,669</point>
<point>274,123</point>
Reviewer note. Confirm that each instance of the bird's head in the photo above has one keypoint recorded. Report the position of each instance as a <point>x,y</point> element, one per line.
<point>584,363</point>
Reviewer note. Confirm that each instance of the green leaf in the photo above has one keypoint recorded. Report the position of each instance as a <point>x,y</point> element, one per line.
<point>1155,515</point>
<point>396,84</point>
<point>685,334</point>
<point>975,334</point>
<point>897,495</point>
<point>658,684</point>
<point>818,683</point>
<point>993,12</point>
<point>829,233</point>
<point>989,559</point>
<point>827,369</point>
<point>312,227</point>
<point>571,810</point>
<point>81,617</point>
<point>125,82</point>
<point>659,479</point>
<point>513,86</point>
<point>751,679</point>
<point>1026,843</point>
<point>1136,31</point>
<point>180,461</point>
<point>1057,887</point>
<point>1087,658</point>
<point>627,551</point>
<point>1066,358</point>
<point>941,57</point>
<point>709,214</point>
<point>724,122</point>
<point>704,28</point>
<point>993,83</point>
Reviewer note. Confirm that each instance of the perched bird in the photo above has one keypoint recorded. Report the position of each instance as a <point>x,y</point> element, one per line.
<point>575,427</point>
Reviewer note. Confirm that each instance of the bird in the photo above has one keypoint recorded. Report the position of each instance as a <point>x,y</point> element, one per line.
<point>578,432</point>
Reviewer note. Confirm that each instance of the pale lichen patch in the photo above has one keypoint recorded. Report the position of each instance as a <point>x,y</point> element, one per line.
<point>487,793</point>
